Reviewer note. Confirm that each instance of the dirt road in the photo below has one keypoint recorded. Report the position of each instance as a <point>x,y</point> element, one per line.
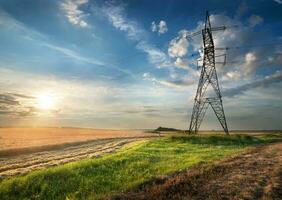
<point>255,174</point>
<point>24,163</point>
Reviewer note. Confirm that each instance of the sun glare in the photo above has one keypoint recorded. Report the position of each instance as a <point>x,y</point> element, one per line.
<point>45,101</point>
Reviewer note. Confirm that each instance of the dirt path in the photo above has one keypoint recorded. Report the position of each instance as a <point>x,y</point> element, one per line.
<point>255,174</point>
<point>22,164</point>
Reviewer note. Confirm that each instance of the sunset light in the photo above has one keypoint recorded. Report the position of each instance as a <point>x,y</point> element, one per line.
<point>157,100</point>
<point>46,102</point>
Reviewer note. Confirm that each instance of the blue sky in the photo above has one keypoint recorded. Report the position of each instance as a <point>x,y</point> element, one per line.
<point>128,64</point>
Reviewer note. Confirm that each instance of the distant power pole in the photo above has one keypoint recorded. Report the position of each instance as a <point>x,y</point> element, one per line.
<point>208,80</point>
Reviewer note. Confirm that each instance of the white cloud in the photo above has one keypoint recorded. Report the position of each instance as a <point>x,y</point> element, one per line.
<point>40,39</point>
<point>90,99</point>
<point>181,63</point>
<point>178,47</point>
<point>180,83</point>
<point>247,60</point>
<point>154,27</point>
<point>34,84</point>
<point>255,20</point>
<point>278,1</point>
<point>233,75</point>
<point>71,8</point>
<point>148,76</point>
<point>161,28</point>
<point>242,64</point>
<point>154,54</point>
<point>250,58</point>
<point>276,59</point>
<point>116,16</point>
<point>75,55</point>
<point>72,54</point>
<point>250,65</point>
<point>268,80</point>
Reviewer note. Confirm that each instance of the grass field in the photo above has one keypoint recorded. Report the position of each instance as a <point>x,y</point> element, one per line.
<point>131,166</point>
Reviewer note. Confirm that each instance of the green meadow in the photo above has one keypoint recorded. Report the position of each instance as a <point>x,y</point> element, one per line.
<point>129,167</point>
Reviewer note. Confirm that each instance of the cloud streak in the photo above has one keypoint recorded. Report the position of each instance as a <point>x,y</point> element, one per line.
<point>180,83</point>
<point>11,104</point>
<point>278,1</point>
<point>8,99</point>
<point>116,16</point>
<point>40,39</point>
<point>268,80</point>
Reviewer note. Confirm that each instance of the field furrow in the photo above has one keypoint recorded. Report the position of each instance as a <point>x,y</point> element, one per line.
<point>22,164</point>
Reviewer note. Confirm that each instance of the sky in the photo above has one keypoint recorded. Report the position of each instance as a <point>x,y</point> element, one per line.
<point>128,64</point>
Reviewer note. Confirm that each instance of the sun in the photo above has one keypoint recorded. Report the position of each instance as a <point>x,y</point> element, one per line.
<point>45,102</point>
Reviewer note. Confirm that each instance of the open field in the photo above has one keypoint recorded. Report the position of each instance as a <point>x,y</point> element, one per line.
<point>133,165</point>
<point>26,140</point>
<point>254,174</point>
<point>23,150</point>
<point>22,164</point>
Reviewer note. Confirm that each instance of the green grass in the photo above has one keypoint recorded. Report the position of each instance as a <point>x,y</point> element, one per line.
<point>125,169</point>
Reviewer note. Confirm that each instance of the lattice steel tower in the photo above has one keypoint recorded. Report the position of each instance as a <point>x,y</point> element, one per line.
<point>208,92</point>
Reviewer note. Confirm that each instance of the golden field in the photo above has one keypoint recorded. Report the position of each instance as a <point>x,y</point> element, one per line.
<point>18,138</point>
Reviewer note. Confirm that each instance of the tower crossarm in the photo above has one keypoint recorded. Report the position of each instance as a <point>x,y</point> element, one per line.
<point>219,28</point>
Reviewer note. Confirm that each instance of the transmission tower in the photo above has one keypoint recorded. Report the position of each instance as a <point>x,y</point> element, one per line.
<point>208,92</point>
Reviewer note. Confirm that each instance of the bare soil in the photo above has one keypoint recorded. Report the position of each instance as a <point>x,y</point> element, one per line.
<point>254,174</point>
